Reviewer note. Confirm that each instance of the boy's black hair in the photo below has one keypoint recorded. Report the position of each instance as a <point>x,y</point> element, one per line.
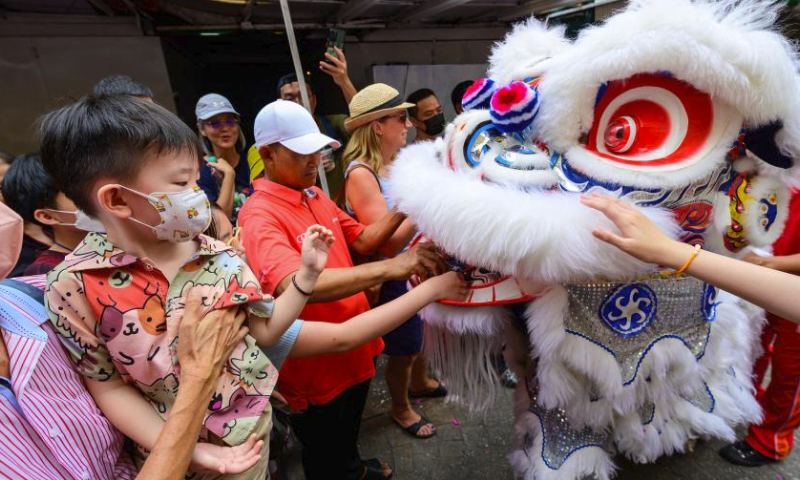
<point>416,97</point>
<point>458,92</point>
<point>108,137</point>
<point>27,187</point>
<point>121,85</point>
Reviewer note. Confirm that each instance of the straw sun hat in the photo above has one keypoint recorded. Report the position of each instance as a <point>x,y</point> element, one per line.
<point>374,102</point>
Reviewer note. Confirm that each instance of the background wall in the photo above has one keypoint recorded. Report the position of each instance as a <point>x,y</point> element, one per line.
<point>39,73</point>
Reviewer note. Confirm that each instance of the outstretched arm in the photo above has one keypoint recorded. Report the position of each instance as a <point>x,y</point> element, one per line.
<point>320,338</point>
<point>293,299</point>
<point>337,283</point>
<point>784,263</point>
<point>772,290</point>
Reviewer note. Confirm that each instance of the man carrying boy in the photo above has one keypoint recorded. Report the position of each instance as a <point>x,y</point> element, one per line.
<point>328,392</point>
<point>118,299</point>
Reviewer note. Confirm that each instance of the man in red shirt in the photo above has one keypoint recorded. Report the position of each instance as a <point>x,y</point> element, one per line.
<point>328,392</point>
<point>771,440</point>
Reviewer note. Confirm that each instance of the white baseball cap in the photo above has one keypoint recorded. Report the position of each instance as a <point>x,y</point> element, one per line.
<point>292,126</point>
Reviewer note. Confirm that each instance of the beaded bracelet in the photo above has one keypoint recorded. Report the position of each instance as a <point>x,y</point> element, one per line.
<point>294,282</point>
<point>678,272</point>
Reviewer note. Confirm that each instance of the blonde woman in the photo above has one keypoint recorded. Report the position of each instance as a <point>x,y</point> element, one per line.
<point>378,127</point>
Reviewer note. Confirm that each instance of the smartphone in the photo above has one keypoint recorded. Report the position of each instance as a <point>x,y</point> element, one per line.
<point>335,39</point>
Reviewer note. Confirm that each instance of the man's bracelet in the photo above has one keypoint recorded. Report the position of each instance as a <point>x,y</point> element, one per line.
<point>294,282</point>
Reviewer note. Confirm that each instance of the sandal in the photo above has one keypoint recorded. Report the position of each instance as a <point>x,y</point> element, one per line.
<point>373,470</point>
<point>438,392</point>
<point>415,428</point>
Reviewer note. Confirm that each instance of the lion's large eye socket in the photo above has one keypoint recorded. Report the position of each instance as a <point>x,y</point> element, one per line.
<point>621,134</point>
<point>654,121</point>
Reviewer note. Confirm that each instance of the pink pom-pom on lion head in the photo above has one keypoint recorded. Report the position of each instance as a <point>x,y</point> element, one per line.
<point>479,94</point>
<point>514,106</point>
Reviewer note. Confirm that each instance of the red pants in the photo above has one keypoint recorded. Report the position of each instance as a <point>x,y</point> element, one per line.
<point>781,399</point>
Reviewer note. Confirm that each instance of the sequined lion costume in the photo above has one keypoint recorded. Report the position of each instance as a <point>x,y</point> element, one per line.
<point>688,110</point>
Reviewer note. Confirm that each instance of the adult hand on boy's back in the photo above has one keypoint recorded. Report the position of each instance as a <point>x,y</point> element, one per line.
<point>206,340</point>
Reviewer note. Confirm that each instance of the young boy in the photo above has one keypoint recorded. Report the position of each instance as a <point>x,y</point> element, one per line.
<point>31,192</point>
<point>117,300</point>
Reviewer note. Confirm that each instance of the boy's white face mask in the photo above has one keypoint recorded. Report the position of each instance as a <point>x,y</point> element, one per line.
<point>184,215</point>
<point>82,221</point>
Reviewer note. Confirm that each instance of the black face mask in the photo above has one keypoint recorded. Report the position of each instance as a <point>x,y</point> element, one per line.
<point>435,125</point>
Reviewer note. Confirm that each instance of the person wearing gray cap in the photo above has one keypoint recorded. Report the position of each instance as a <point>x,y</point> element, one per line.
<point>225,177</point>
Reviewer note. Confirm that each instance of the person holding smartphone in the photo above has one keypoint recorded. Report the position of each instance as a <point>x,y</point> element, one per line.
<point>334,65</point>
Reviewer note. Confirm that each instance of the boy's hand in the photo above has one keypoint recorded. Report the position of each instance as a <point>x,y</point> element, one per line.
<point>449,286</point>
<point>208,457</point>
<point>314,256</point>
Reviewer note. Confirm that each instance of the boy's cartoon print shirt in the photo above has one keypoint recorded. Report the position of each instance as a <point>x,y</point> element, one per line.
<point>118,317</point>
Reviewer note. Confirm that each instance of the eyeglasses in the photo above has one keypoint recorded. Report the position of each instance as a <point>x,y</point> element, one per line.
<point>217,124</point>
<point>402,116</point>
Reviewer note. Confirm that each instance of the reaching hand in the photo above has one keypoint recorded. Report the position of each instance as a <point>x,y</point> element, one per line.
<point>423,259</point>
<point>208,457</point>
<point>449,286</point>
<point>639,236</point>
<point>317,242</point>
<point>335,67</point>
<point>206,339</point>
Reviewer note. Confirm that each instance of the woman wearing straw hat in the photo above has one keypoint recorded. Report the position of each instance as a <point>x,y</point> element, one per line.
<point>225,178</point>
<point>378,127</point>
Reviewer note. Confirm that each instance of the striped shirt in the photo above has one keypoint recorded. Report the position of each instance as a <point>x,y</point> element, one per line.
<point>51,427</point>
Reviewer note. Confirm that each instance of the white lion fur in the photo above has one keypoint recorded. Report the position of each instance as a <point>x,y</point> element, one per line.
<point>460,344</point>
<point>729,50</point>
<point>525,51</point>
<point>484,321</point>
<point>532,234</point>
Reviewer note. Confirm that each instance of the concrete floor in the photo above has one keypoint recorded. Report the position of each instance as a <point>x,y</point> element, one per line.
<point>476,448</point>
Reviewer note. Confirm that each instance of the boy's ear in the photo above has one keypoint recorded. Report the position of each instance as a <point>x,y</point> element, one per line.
<point>46,217</point>
<point>111,199</point>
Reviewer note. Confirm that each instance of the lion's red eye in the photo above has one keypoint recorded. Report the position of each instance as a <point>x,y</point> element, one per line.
<point>621,134</point>
<point>656,122</point>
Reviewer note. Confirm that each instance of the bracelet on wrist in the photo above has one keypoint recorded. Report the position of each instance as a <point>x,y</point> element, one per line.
<point>679,272</point>
<point>296,286</point>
